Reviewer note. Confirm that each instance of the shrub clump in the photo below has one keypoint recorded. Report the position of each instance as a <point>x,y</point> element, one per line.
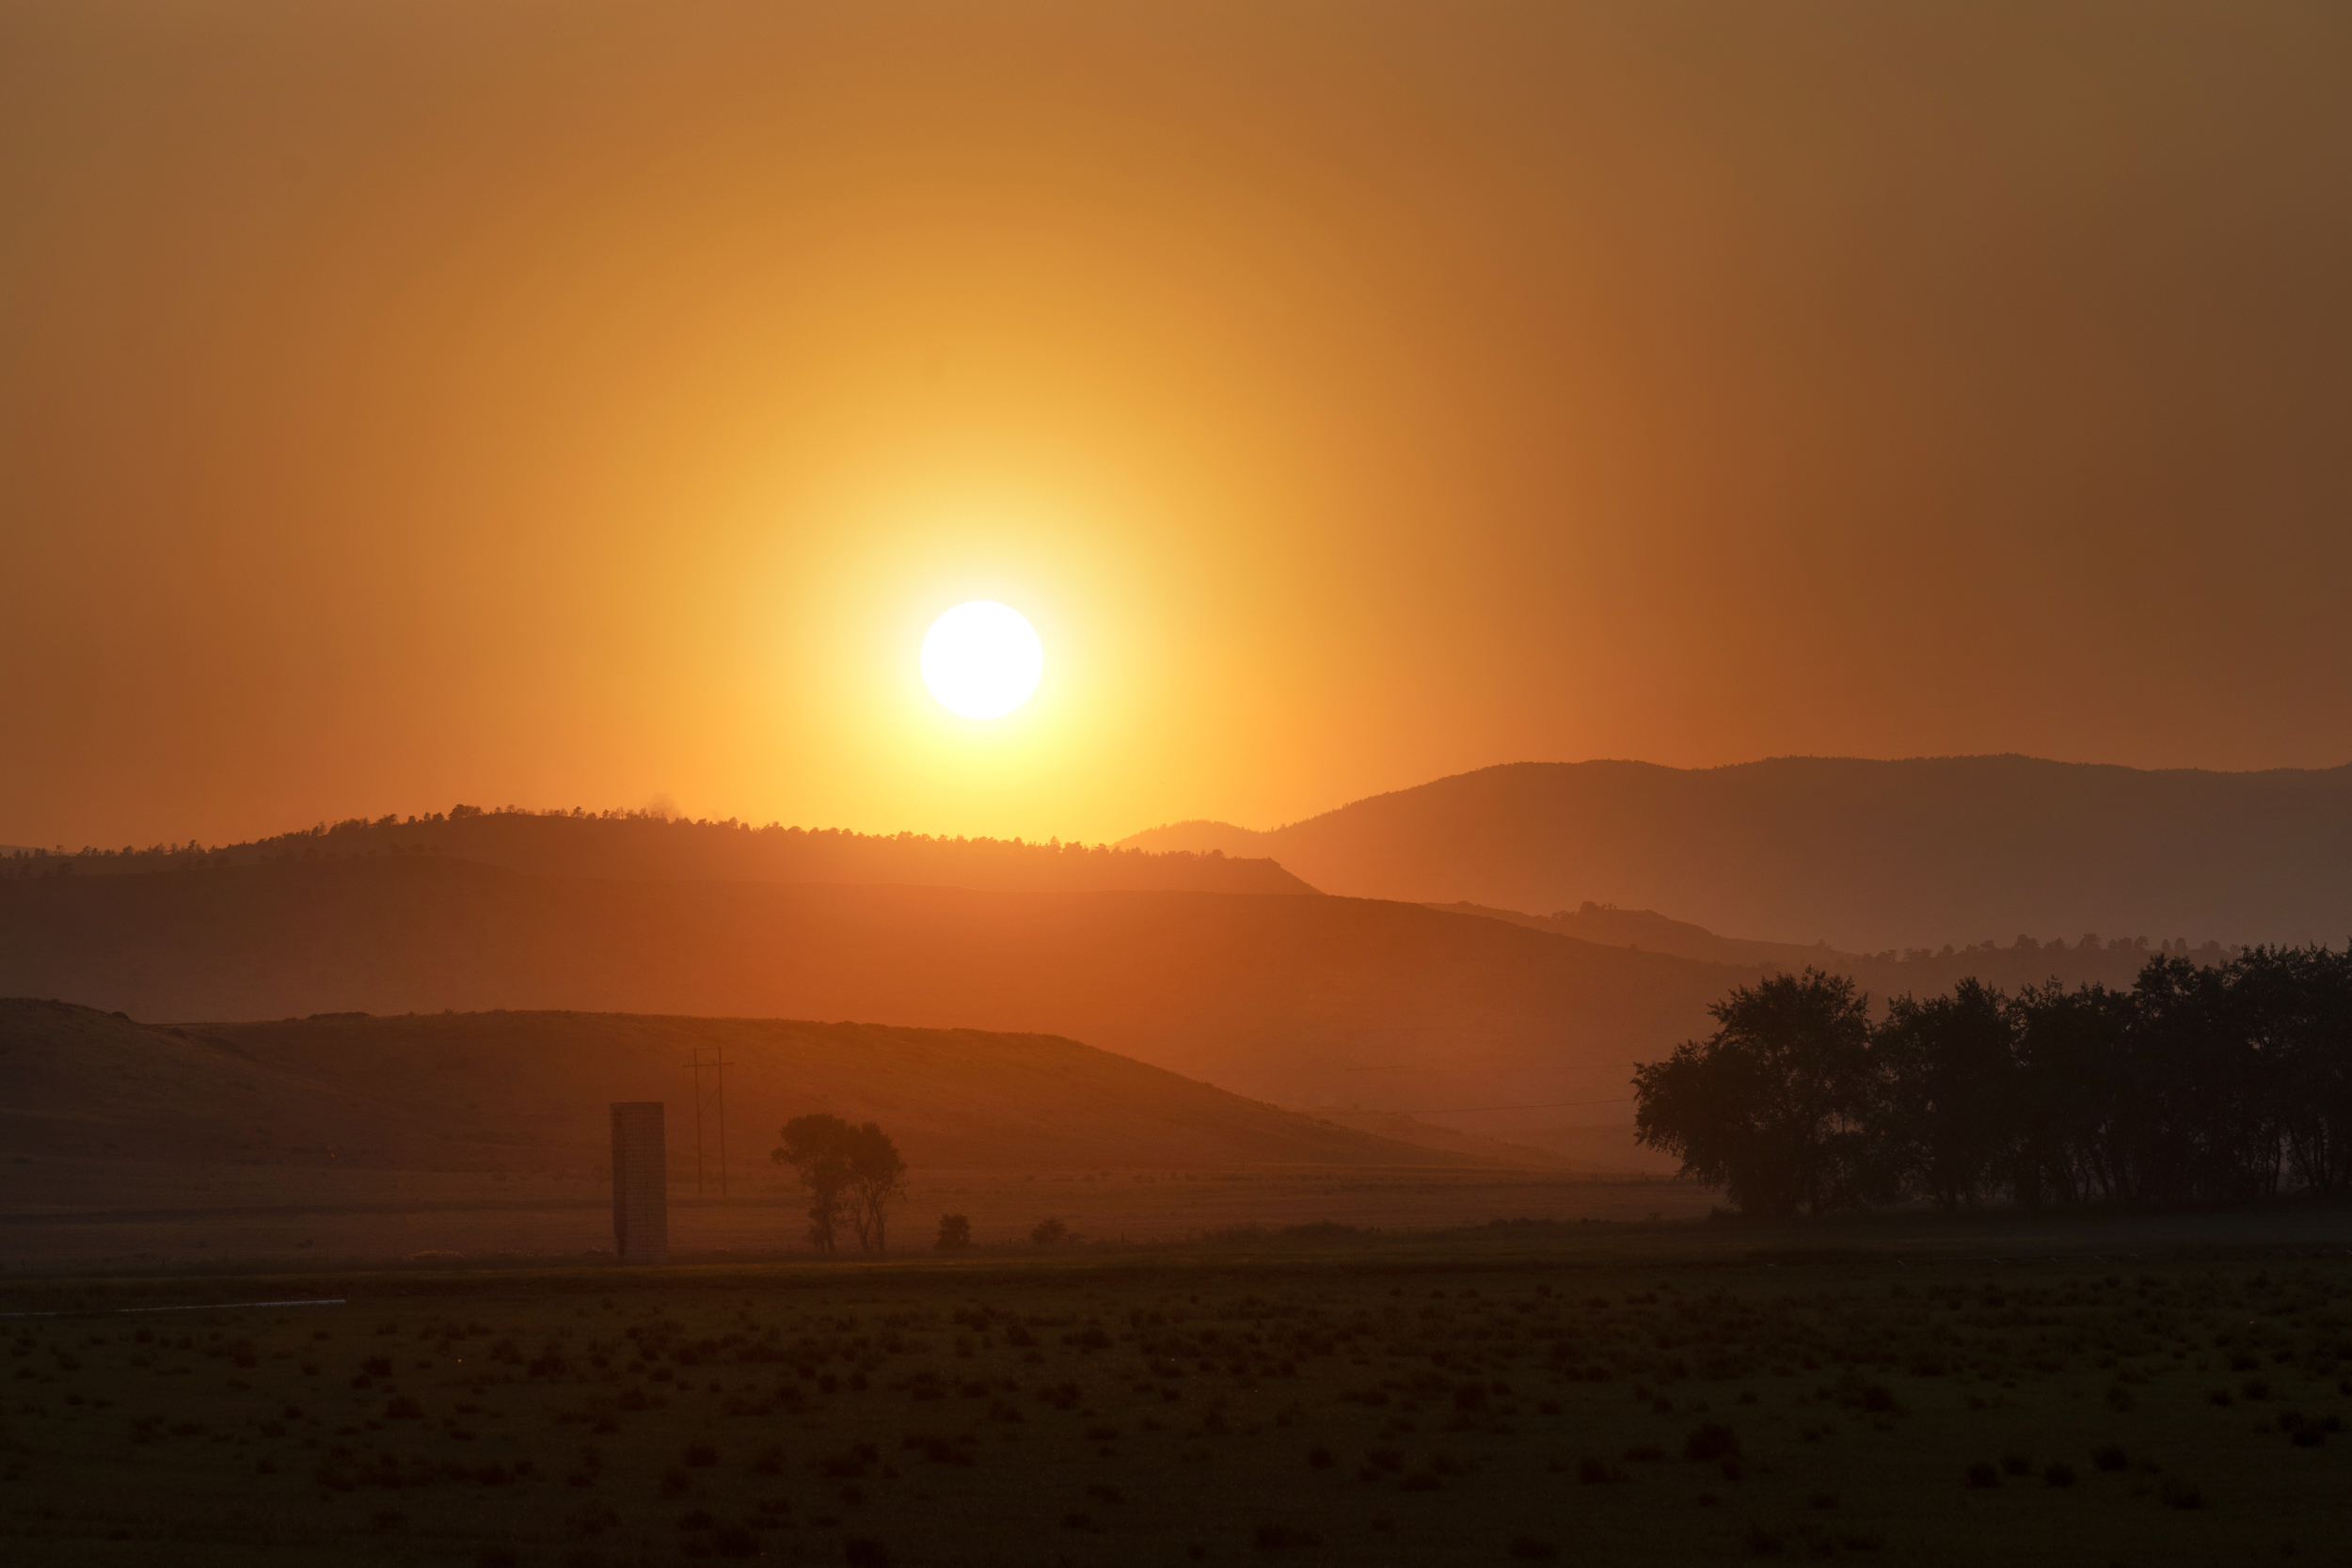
<point>1711,1442</point>
<point>1279,1538</point>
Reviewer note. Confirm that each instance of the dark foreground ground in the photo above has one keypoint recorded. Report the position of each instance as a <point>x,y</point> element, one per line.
<point>1577,1393</point>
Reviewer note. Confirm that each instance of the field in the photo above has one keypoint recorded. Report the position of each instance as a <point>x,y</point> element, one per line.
<point>1896,1391</point>
<point>63,1213</point>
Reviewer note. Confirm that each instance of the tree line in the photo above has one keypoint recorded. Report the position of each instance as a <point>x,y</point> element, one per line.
<point>2197,1083</point>
<point>361,835</point>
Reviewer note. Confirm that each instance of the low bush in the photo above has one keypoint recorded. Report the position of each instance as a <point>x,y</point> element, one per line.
<point>1710,1442</point>
<point>1279,1538</point>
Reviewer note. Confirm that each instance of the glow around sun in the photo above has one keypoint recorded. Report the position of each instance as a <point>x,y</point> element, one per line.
<point>981,659</point>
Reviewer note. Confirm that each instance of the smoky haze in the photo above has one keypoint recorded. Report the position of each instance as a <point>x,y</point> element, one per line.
<point>1863,855</point>
<point>433,401</point>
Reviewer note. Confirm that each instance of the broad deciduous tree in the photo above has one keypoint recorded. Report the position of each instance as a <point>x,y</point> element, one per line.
<point>853,1173</point>
<point>1773,1106</point>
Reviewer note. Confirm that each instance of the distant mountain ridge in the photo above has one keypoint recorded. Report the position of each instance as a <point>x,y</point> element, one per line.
<point>1863,854</point>
<point>1913,972</point>
<point>643,846</point>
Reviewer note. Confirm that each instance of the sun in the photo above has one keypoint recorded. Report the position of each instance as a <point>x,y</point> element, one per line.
<point>981,659</point>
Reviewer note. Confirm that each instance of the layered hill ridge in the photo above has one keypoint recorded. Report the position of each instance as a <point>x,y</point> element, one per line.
<point>1914,972</point>
<point>1863,855</point>
<point>528,1091</point>
<point>641,847</point>
<point>1307,1002</point>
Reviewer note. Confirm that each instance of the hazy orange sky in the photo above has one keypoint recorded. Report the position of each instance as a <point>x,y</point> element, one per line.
<point>571,403</point>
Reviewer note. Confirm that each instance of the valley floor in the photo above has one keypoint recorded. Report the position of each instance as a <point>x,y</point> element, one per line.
<point>58,1214</point>
<point>1907,1390</point>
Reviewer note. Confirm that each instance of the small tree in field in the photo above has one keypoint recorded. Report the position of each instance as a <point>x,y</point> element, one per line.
<point>817,1147</point>
<point>955,1230</point>
<point>877,1176</point>
<point>851,1172</point>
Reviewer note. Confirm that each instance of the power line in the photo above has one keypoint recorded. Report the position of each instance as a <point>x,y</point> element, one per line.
<point>717,1099</point>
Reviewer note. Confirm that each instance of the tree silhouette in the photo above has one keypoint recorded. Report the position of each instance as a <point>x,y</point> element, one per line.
<point>1773,1106</point>
<point>851,1172</point>
<point>876,1177</point>
<point>1949,1066</point>
<point>2072,1116</point>
<point>2299,1002</point>
<point>2201,1083</point>
<point>818,1146</point>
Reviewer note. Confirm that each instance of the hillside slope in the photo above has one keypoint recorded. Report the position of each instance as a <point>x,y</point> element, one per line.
<point>634,847</point>
<point>1301,1001</point>
<point>506,1091</point>
<point>1863,855</point>
<point>1918,971</point>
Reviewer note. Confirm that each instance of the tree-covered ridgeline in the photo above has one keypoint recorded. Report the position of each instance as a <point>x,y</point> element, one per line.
<point>2198,1083</point>
<point>636,846</point>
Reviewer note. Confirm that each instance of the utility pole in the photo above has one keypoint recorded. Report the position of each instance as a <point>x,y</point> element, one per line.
<point>716,1099</point>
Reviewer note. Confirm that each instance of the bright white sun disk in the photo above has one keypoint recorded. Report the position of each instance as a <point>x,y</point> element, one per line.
<point>981,659</point>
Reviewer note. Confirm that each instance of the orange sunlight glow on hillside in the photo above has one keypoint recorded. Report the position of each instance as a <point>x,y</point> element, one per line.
<point>410,402</point>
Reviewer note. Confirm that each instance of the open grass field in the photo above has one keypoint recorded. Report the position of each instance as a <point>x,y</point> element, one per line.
<point>65,1213</point>
<point>1597,1393</point>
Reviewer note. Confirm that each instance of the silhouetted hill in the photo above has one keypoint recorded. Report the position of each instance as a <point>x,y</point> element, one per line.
<point>1916,971</point>
<point>1863,855</point>
<point>1300,1001</point>
<point>637,847</point>
<point>1429,1134</point>
<point>504,1091</point>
